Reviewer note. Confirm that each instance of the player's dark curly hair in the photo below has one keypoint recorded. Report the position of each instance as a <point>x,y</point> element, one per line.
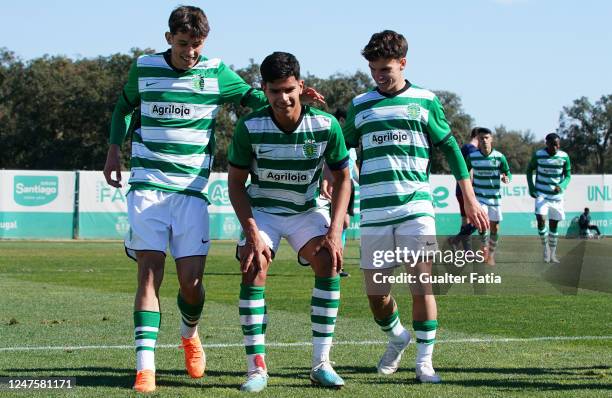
<point>385,45</point>
<point>480,130</point>
<point>552,137</point>
<point>279,65</point>
<point>189,19</point>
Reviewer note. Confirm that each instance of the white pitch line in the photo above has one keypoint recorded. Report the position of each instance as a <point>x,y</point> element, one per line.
<point>307,343</point>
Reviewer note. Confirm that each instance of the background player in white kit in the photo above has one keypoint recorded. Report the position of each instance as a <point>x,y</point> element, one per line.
<point>553,173</point>
<point>489,166</point>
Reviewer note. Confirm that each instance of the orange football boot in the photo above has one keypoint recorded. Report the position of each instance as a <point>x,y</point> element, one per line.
<point>195,358</point>
<point>145,381</point>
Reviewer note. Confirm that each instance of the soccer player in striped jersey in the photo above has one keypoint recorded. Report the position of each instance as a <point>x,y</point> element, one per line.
<point>553,173</point>
<point>283,147</point>
<point>489,167</point>
<point>397,125</point>
<point>179,93</point>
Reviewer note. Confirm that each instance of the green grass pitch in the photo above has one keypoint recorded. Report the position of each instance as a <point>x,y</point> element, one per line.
<point>66,310</point>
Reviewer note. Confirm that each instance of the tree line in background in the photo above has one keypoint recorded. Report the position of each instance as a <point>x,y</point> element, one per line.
<point>55,114</point>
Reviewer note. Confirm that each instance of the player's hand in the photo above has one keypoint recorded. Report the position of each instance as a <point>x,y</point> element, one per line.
<point>311,96</point>
<point>326,188</point>
<point>557,189</point>
<point>333,243</point>
<point>250,255</point>
<point>476,215</point>
<point>505,179</point>
<point>113,163</point>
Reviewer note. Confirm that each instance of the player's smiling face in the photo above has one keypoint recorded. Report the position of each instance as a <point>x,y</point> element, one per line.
<point>388,74</point>
<point>284,97</point>
<point>185,49</point>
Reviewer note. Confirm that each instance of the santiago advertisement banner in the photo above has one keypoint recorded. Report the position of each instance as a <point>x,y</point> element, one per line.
<point>36,204</point>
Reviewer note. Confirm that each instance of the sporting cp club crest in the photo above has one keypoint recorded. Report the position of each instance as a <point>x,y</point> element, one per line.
<point>199,83</point>
<point>414,112</point>
<point>310,149</point>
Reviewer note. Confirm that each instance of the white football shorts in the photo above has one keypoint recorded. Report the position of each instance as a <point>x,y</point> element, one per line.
<point>411,235</point>
<point>550,208</point>
<point>494,212</point>
<point>158,219</point>
<point>298,229</point>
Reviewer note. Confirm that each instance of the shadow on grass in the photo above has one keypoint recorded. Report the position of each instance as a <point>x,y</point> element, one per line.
<point>550,379</point>
<point>566,378</point>
<point>124,378</point>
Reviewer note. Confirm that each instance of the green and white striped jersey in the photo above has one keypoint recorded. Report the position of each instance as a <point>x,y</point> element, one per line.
<point>487,175</point>
<point>285,166</point>
<point>173,148</point>
<point>396,133</point>
<point>550,171</point>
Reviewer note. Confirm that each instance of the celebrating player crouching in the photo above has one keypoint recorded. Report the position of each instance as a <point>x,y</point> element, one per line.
<point>396,125</point>
<point>283,147</point>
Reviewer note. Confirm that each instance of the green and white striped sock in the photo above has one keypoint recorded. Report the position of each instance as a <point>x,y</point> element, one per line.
<point>190,316</point>
<point>425,332</point>
<point>146,328</point>
<point>324,310</point>
<point>484,239</point>
<point>253,319</point>
<point>543,235</point>
<point>493,243</point>
<point>553,237</point>
<point>392,326</point>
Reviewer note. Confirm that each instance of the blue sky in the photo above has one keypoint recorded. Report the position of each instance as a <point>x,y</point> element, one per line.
<point>513,62</point>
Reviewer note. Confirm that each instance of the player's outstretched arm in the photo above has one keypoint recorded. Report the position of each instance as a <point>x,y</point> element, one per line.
<point>327,183</point>
<point>240,156</point>
<point>254,246</point>
<point>474,213</point>
<point>235,90</point>
<point>120,122</point>
<point>341,192</point>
